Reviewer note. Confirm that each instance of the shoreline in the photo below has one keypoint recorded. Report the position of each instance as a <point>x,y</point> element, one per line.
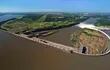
<point>103,28</point>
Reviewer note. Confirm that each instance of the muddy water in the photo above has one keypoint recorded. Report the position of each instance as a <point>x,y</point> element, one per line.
<point>62,36</point>
<point>20,54</point>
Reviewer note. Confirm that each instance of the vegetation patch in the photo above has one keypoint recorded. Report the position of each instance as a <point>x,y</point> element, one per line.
<point>30,23</point>
<point>89,41</point>
<point>103,22</point>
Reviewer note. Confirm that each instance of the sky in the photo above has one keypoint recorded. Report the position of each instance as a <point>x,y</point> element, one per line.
<point>54,5</point>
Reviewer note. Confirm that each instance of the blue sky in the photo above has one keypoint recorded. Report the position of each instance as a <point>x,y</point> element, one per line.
<point>55,5</point>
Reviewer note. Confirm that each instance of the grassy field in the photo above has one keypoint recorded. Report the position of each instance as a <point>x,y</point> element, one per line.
<point>40,21</point>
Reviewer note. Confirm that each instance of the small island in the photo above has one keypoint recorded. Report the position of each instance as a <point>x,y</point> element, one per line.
<point>89,41</point>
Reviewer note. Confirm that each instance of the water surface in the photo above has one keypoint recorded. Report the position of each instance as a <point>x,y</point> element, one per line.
<point>20,54</point>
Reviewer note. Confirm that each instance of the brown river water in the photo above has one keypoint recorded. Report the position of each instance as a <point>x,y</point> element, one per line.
<point>62,36</point>
<point>20,54</point>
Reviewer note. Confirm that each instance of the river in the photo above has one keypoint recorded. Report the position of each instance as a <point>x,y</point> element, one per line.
<point>20,54</point>
<point>6,17</point>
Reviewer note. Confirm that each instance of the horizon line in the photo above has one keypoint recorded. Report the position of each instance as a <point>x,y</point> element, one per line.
<point>49,11</point>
